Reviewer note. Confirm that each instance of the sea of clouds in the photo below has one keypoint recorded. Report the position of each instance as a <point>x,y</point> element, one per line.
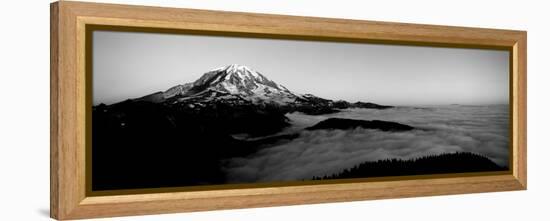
<point>440,129</point>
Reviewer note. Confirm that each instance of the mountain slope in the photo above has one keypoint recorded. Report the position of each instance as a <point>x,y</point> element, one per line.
<point>240,82</point>
<point>238,85</point>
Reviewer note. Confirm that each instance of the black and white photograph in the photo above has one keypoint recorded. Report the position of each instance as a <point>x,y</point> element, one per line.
<point>179,110</point>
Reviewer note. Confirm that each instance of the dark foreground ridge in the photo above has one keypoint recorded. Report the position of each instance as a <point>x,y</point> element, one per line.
<point>140,144</point>
<point>460,162</point>
<point>343,124</point>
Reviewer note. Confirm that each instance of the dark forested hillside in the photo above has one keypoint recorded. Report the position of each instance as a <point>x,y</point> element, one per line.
<point>344,124</point>
<point>139,144</point>
<point>460,162</point>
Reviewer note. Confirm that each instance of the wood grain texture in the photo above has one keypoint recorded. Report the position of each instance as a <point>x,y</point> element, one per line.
<point>291,25</point>
<point>66,129</point>
<point>68,107</point>
<point>54,110</point>
<point>521,113</point>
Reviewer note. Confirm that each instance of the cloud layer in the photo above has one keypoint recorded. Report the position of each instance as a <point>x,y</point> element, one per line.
<point>478,129</point>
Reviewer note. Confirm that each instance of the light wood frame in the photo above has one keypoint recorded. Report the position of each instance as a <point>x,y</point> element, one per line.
<point>69,199</point>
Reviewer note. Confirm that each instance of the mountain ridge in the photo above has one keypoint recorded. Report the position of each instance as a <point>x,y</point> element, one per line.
<point>240,85</point>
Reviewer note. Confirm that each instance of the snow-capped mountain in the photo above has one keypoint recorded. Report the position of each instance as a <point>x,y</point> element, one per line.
<point>239,86</point>
<point>234,81</point>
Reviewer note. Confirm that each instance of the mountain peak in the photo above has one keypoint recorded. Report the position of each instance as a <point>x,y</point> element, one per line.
<point>240,71</point>
<point>234,68</point>
<point>238,80</point>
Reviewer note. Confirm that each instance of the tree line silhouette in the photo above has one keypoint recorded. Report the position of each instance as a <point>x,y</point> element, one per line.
<point>458,162</point>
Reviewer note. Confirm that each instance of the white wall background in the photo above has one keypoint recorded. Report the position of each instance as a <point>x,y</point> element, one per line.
<point>24,109</point>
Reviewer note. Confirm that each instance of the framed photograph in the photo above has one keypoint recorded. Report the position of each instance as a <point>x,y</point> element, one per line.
<point>161,110</point>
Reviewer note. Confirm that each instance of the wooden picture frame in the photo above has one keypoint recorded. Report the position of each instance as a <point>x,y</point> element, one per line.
<point>69,198</point>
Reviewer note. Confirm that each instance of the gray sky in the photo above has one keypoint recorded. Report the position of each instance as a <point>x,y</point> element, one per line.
<point>130,65</point>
